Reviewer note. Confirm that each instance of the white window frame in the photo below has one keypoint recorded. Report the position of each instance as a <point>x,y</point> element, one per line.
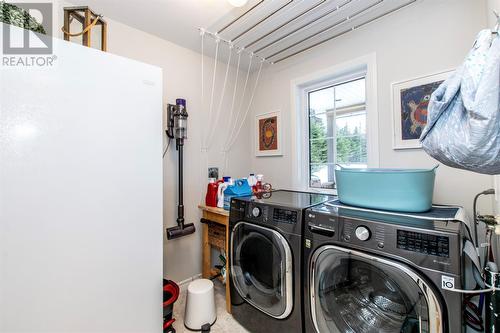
<point>361,67</point>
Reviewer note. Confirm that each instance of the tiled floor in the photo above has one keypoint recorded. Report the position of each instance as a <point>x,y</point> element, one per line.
<point>225,322</point>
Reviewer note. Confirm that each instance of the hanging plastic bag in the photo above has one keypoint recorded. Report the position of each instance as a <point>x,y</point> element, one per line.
<point>463,129</point>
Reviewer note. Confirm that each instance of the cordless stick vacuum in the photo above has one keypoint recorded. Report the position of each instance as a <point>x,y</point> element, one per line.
<point>177,128</point>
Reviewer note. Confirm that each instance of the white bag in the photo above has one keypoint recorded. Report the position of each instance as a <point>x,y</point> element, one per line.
<point>463,129</point>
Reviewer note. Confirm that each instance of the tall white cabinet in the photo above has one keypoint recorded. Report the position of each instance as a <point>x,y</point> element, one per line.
<point>81,194</point>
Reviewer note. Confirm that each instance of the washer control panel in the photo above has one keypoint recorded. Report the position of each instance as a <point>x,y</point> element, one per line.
<point>424,243</point>
<point>363,233</point>
<point>434,245</point>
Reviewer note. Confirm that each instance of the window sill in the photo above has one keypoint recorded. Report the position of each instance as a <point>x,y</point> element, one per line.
<point>322,191</point>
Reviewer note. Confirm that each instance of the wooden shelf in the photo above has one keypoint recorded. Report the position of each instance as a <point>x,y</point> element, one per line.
<point>215,210</point>
<point>221,217</point>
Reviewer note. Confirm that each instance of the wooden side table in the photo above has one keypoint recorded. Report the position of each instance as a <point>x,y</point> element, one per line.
<point>221,217</point>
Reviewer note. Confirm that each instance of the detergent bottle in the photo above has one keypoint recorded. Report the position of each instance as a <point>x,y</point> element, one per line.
<point>220,191</point>
<point>252,180</point>
<point>239,188</point>
<point>212,188</point>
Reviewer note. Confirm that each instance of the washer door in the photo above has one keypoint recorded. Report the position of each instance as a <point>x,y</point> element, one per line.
<point>355,292</point>
<point>261,269</point>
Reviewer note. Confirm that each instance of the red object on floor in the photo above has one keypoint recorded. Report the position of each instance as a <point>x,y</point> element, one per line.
<point>168,323</point>
<point>173,289</point>
<point>170,295</point>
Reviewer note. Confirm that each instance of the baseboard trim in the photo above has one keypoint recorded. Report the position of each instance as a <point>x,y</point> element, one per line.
<point>184,283</point>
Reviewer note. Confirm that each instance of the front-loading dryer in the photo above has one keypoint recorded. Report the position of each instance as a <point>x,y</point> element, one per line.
<point>380,273</point>
<point>265,258</point>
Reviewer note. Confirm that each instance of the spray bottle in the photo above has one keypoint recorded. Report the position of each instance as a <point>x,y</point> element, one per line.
<point>258,185</point>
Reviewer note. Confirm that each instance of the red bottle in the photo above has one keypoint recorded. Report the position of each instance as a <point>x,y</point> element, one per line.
<point>211,197</point>
<point>257,188</point>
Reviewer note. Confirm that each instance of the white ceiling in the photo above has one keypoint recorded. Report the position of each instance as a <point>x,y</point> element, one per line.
<point>173,20</point>
<point>272,29</point>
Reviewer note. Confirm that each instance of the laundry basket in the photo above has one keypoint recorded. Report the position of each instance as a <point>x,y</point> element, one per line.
<point>402,190</point>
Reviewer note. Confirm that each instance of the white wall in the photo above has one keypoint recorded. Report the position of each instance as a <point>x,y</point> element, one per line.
<point>181,79</point>
<point>428,37</point>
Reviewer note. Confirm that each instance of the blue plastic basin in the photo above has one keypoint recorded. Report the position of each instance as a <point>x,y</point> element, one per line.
<point>402,190</point>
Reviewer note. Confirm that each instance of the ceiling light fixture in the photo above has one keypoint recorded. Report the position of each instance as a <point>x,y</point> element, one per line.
<point>238,3</point>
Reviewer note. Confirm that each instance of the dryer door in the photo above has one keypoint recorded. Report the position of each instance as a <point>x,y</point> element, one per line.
<point>261,269</point>
<point>352,291</point>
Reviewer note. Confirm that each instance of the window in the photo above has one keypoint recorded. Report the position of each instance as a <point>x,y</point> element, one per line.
<point>337,130</point>
<point>334,120</point>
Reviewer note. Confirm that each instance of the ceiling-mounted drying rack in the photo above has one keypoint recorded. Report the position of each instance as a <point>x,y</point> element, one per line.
<point>275,30</point>
<point>270,31</point>
<point>237,48</point>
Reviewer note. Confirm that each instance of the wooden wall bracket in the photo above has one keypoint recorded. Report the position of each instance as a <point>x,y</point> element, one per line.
<point>89,19</point>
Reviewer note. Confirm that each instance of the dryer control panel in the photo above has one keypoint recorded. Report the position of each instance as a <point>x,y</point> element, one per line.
<point>265,213</point>
<point>285,215</point>
<point>287,220</point>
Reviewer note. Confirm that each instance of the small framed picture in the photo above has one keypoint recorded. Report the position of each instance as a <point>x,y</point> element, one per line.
<point>410,100</point>
<point>268,136</point>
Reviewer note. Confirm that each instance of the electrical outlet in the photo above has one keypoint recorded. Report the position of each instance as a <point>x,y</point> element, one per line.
<point>213,172</point>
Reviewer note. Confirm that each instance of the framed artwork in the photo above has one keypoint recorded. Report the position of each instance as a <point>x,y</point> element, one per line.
<point>268,136</point>
<point>410,100</point>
